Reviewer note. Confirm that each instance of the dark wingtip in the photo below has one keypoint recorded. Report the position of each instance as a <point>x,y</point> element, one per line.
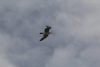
<point>40,40</point>
<point>48,27</point>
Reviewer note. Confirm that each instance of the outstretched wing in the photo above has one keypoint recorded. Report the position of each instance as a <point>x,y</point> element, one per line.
<point>45,36</point>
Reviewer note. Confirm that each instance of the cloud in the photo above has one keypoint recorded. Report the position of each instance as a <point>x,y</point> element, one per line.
<point>80,22</point>
<point>74,42</point>
<point>4,62</point>
<point>4,41</point>
<point>75,55</point>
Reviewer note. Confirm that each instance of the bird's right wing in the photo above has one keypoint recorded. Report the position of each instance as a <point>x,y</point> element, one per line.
<point>43,37</point>
<point>47,29</point>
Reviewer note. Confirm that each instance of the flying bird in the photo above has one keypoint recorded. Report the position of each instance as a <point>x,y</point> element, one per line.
<point>45,33</point>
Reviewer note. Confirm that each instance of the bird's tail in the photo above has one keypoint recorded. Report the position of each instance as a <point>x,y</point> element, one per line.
<point>41,32</point>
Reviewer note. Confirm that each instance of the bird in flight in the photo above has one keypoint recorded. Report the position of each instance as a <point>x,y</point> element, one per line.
<point>45,33</point>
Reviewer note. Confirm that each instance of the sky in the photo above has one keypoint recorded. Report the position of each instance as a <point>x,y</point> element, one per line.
<point>75,41</point>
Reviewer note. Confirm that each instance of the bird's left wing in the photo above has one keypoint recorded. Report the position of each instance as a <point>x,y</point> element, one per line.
<point>43,37</point>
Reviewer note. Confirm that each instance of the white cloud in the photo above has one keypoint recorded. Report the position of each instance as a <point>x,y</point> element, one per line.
<point>75,41</point>
<point>80,20</point>
<point>4,45</point>
<point>4,62</point>
<point>75,56</point>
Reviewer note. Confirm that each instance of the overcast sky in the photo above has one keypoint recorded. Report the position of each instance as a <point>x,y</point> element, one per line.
<point>75,41</point>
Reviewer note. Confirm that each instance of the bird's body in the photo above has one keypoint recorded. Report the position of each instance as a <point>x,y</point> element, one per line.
<point>45,33</point>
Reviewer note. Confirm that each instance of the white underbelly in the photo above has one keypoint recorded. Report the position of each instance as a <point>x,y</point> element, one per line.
<point>46,33</point>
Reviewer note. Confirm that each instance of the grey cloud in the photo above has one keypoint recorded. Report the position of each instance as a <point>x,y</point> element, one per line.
<point>74,42</point>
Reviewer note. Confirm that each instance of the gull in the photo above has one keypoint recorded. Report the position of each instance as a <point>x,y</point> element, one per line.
<point>45,33</point>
